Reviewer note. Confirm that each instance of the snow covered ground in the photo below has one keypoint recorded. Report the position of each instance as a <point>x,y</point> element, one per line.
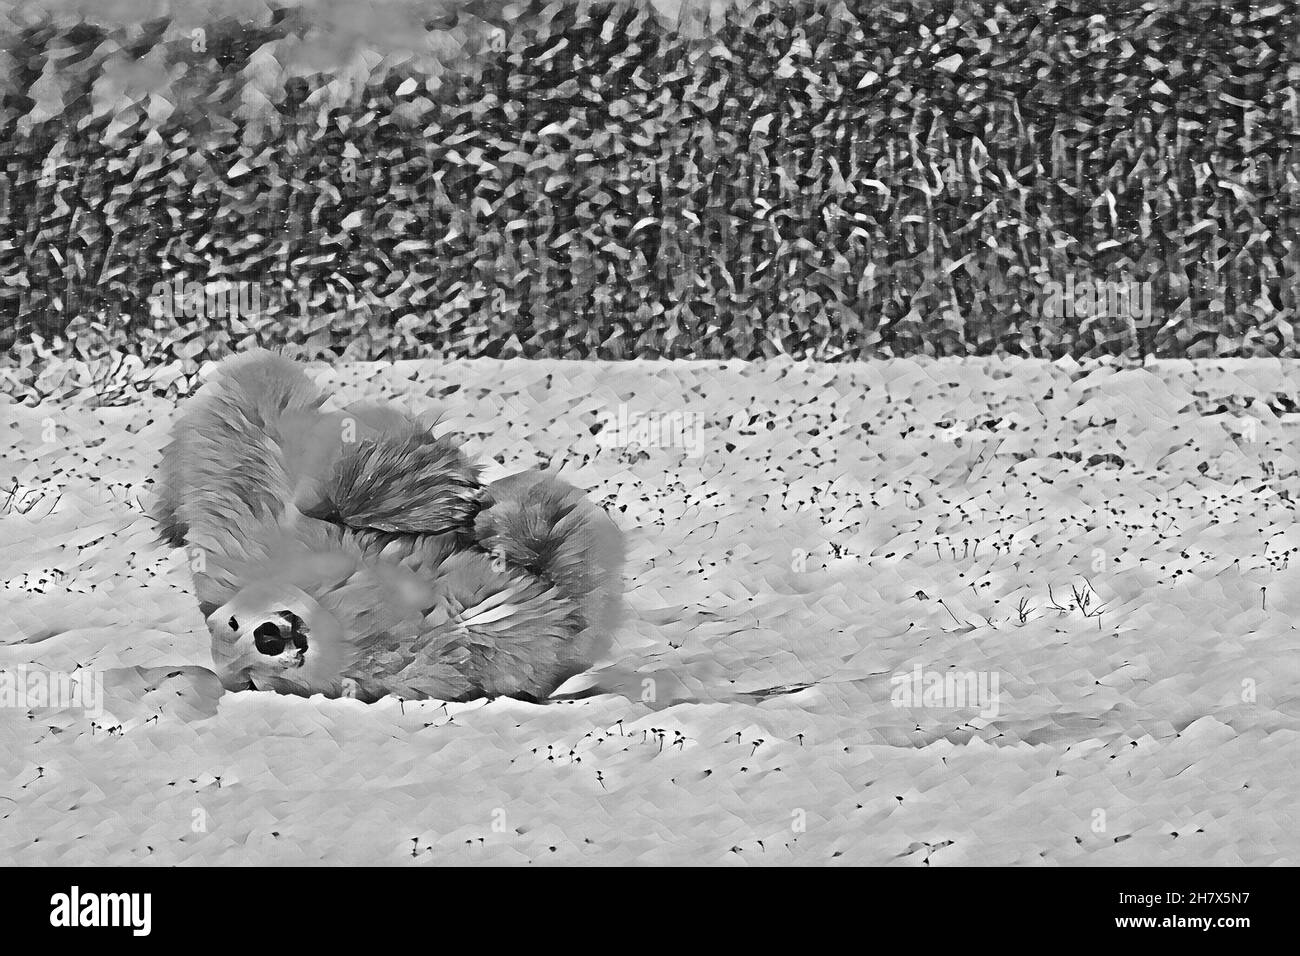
<point>824,561</point>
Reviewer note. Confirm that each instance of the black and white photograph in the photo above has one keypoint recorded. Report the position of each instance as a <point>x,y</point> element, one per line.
<point>650,433</point>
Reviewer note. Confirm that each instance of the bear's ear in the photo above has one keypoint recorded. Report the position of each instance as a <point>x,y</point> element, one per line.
<point>411,482</point>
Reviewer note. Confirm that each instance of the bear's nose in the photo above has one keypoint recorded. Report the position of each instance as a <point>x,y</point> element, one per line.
<point>268,639</point>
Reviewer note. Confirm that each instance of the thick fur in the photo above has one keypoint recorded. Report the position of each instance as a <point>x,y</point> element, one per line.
<point>376,486</point>
<point>537,522</point>
<point>225,469</point>
<point>379,543</point>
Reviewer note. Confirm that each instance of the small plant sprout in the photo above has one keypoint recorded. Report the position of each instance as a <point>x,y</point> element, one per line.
<point>1023,610</point>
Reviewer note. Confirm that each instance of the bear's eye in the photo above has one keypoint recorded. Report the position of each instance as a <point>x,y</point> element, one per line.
<point>234,625</point>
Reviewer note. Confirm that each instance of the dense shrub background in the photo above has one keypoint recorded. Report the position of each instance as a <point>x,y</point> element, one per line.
<point>830,180</point>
